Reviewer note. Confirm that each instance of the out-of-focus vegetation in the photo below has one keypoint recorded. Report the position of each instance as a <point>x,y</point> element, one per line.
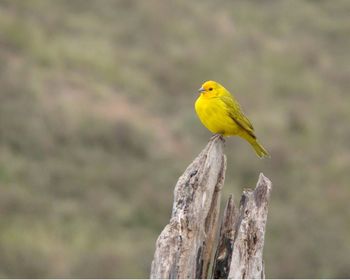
<point>97,123</point>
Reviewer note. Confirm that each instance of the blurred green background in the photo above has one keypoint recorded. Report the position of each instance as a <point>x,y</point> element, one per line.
<point>97,123</point>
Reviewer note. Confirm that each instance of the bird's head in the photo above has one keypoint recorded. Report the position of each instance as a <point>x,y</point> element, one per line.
<point>210,89</point>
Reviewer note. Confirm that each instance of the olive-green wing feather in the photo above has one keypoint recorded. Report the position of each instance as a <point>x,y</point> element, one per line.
<point>235,113</point>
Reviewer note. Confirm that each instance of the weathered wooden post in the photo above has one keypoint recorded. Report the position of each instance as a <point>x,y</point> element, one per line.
<point>186,245</point>
<point>184,248</point>
<point>239,254</point>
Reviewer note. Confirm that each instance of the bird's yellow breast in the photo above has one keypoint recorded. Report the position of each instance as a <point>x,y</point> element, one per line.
<point>214,115</point>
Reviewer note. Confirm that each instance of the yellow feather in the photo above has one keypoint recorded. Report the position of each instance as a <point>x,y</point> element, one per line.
<point>220,112</point>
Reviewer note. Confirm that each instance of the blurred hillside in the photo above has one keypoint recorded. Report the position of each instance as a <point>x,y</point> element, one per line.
<point>97,124</point>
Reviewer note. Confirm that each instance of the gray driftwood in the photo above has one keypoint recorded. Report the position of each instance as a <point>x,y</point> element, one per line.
<point>185,247</point>
<point>239,253</point>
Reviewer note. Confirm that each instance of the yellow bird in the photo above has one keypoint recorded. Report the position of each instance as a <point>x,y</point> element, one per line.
<point>220,112</point>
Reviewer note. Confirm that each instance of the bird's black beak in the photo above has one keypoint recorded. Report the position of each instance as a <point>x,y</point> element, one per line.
<point>201,90</point>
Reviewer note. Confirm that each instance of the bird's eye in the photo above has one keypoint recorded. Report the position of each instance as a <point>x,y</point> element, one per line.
<point>211,89</point>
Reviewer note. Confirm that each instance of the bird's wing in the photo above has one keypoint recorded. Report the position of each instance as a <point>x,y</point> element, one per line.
<point>235,113</point>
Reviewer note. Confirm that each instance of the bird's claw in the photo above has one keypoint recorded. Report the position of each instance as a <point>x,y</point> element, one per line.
<point>218,135</point>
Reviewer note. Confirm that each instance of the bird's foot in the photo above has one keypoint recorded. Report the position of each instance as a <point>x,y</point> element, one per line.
<point>218,135</point>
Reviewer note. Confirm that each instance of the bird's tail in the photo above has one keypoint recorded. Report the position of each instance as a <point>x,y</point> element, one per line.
<point>259,149</point>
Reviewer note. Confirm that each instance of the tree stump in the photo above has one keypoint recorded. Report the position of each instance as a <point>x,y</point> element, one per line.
<point>186,245</point>
<point>239,253</point>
